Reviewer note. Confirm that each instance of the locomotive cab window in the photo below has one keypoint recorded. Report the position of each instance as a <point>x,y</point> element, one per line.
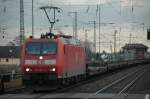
<point>33,48</point>
<point>41,48</point>
<point>49,48</point>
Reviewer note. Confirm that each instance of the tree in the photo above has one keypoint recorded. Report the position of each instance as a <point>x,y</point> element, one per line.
<point>10,43</point>
<point>14,42</point>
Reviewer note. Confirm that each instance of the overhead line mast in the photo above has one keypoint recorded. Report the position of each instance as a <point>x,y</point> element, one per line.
<point>115,32</point>
<point>32,19</point>
<point>94,38</point>
<point>75,29</point>
<point>21,22</point>
<point>99,7</point>
<point>21,28</point>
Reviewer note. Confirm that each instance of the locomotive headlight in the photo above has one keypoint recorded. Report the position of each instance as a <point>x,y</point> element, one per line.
<point>53,69</point>
<point>27,69</point>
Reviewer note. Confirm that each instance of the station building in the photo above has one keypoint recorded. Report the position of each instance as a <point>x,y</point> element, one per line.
<point>135,51</point>
<point>9,55</point>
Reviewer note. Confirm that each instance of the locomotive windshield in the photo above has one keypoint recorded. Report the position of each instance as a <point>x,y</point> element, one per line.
<point>49,48</point>
<point>33,48</point>
<point>41,48</point>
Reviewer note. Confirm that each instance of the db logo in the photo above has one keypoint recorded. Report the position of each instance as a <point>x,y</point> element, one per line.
<point>40,62</point>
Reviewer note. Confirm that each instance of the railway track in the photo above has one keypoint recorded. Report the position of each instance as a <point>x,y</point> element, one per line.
<point>60,91</point>
<point>66,88</point>
<point>92,85</point>
<point>121,85</point>
<point>90,80</point>
<point>133,76</point>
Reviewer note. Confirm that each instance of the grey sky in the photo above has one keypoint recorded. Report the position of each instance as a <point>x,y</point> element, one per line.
<point>130,19</point>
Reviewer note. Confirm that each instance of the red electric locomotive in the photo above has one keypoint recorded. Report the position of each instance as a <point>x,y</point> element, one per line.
<point>52,61</point>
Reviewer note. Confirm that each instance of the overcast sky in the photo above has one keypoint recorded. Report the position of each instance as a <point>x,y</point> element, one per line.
<point>128,16</point>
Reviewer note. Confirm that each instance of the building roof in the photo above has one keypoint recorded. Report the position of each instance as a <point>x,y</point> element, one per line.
<point>9,51</point>
<point>135,46</point>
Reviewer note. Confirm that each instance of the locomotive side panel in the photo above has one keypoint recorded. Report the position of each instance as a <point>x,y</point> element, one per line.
<point>60,59</point>
<point>75,61</point>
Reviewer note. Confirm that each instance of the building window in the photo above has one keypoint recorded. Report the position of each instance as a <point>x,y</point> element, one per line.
<point>7,60</point>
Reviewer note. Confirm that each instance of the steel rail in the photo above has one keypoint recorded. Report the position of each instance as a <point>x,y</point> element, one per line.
<point>113,83</point>
<point>129,85</point>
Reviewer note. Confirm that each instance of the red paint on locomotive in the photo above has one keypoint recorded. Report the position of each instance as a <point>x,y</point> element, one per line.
<point>68,61</point>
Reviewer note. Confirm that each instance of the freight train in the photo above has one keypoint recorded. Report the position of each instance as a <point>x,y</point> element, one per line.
<point>55,60</point>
